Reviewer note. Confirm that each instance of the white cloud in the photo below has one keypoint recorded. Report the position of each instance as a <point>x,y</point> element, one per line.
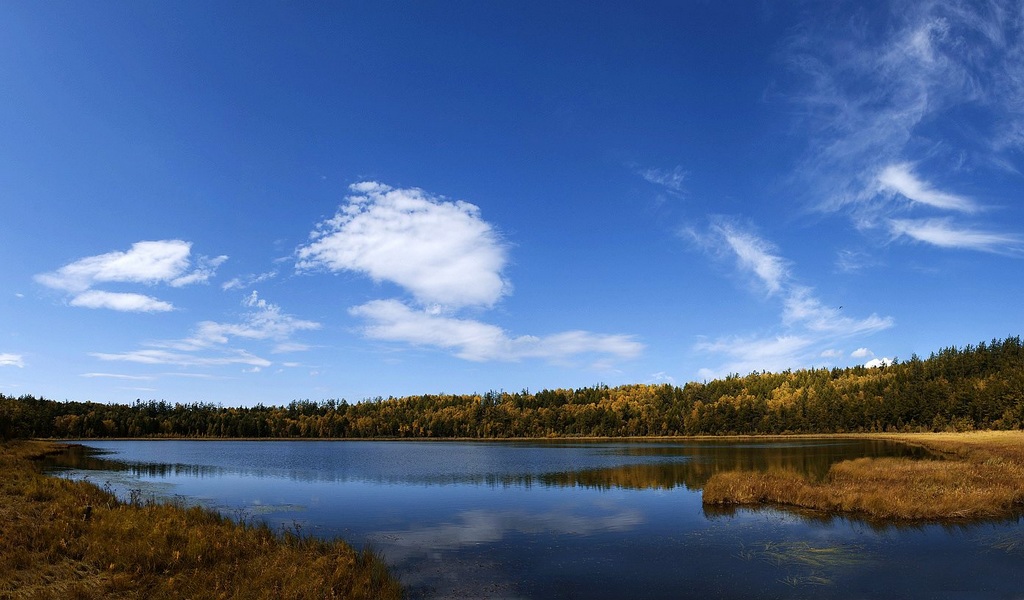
<point>890,89</point>
<point>900,179</point>
<point>120,301</point>
<point>391,320</point>
<point>755,255</point>
<point>208,346</point>
<point>801,307</point>
<point>853,261</point>
<point>204,270</point>
<point>861,353</point>
<point>671,179</point>
<point>286,347</point>
<point>242,282</point>
<point>831,353</point>
<point>263,321</point>
<point>148,263</point>
<point>164,357</point>
<point>118,376</point>
<point>944,233</point>
<point>441,251</point>
<point>12,360</point>
<point>662,377</point>
<point>755,354</point>
<point>807,323</point>
<point>878,362</point>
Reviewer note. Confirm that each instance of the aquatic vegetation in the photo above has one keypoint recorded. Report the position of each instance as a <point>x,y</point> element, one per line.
<point>806,555</point>
<point>72,539</point>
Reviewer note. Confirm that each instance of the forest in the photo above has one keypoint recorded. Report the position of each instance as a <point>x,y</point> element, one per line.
<point>954,389</point>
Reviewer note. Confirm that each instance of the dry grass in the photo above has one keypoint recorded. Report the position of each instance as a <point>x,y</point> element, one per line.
<point>980,476</point>
<point>50,548</point>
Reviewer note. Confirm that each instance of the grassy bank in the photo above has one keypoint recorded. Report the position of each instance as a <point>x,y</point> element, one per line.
<point>65,539</point>
<point>980,475</point>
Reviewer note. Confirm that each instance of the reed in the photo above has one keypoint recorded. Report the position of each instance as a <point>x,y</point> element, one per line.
<point>70,539</point>
<point>979,475</point>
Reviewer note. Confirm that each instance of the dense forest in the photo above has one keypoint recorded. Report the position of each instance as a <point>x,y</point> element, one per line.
<point>975,387</point>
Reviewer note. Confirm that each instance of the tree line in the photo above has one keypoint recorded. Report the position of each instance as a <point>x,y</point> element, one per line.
<point>974,387</point>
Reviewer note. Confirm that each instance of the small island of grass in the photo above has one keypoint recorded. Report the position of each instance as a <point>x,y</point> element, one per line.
<point>980,475</point>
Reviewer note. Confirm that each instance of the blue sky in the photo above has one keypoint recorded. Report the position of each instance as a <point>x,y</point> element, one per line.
<point>260,202</point>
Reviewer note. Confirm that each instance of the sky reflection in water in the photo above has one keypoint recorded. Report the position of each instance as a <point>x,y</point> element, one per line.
<point>571,520</point>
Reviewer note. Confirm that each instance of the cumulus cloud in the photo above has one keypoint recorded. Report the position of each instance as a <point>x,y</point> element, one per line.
<point>165,262</point>
<point>449,260</point>
<point>392,320</point>
<point>12,360</point>
<point>120,301</point>
<point>440,251</point>
<point>262,321</point>
<point>861,353</point>
<point>878,362</point>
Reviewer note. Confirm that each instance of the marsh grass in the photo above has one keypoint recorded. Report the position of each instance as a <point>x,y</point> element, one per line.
<point>980,475</point>
<point>71,539</point>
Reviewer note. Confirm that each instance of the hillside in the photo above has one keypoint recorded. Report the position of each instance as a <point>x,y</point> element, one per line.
<point>954,389</point>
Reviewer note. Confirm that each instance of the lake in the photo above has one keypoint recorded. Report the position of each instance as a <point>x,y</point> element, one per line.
<point>537,520</point>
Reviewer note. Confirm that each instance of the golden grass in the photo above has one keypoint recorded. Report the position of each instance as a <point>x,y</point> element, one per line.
<point>67,539</point>
<point>981,475</point>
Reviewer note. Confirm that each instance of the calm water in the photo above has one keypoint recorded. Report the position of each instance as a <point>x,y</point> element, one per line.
<point>570,520</point>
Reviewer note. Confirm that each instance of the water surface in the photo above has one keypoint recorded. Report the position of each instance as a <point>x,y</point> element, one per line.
<point>571,520</point>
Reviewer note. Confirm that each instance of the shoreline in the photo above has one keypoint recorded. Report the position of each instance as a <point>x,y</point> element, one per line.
<point>978,475</point>
<point>67,538</point>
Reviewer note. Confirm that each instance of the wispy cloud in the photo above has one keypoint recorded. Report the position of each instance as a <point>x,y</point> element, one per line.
<point>899,178</point>
<point>164,357</point>
<point>247,281</point>
<point>440,251</point>
<point>12,360</point>
<point>210,344</point>
<point>885,94</point>
<point>391,320</point>
<point>119,376</point>
<point>946,234</point>
<point>750,354</point>
<point>854,261</point>
<point>807,323</point>
<point>753,254</point>
<point>165,262</point>
<point>670,179</point>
